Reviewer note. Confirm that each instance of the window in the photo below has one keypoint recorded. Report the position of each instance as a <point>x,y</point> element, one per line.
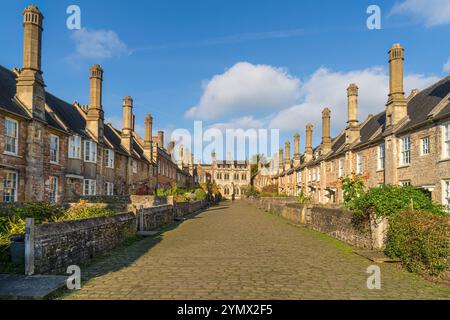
<point>425,142</point>
<point>447,140</point>
<point>314,177</point>
<point>75,147</point>
<point>318,174</point>
<point>446,194</point>
<point>10,187</point>
<point>381,156</point>
<point>11,136</point>
<point>134,166</point>
<point>405,183</point>
<point>109,157</point>
<point>359,163</point>
<point>109,187</point>
<point>54,149</point>
<point>90,187</point>
<point>244,177</point>
<point>90,151</point>
<point>341,167</point>
<point>53,197</point>
<point>405,150</point>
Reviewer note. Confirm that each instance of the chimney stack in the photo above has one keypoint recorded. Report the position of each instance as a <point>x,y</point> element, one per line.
<point>296,150</point>
<point>161,139</point>
<point>180,156</point>
<point>396,108</point>
<point>213,157</point>
<point>352,131</point>
<point>95,115</point>
<point>280,160</point>
<point>308,147</point>
<point>148,148</point>
<point>170,147</point>
<point>127,130</point>
<point>326,137</point>
<point>287,162</point>
<point>30,86</point>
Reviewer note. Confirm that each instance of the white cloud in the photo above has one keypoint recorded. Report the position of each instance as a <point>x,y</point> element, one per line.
<point>446,67</point>
<point>98,44</point>
<point>326,88</point>
<point>429,12</point>
<point>246,88</point>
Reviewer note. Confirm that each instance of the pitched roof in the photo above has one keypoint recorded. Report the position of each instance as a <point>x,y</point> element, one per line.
<point>8,92</point>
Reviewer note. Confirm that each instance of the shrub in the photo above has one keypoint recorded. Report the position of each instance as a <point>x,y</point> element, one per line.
<point>250,191</point>
<point>353,188</point>
<point>304,199</point>
<point>200,194</point>
<point>81,211</point>
<point>420,240</point>
<point>388,200</point>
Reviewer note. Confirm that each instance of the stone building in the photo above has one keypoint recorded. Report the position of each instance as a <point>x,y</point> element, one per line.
<point>51,150</point>
<point>232,177</point>
<point>408,143</point>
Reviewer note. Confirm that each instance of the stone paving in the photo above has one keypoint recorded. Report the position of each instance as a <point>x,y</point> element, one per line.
<point>235,251</point>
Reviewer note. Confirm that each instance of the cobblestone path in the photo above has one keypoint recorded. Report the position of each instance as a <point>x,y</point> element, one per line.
<point>235,251</point>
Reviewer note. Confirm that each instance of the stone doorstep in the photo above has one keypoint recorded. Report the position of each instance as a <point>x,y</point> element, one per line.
<point>376,256</point>
<point>38,287</point>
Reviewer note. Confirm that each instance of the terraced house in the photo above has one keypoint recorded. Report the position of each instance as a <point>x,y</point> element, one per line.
<point>408,143</point>
<point>51,150</point>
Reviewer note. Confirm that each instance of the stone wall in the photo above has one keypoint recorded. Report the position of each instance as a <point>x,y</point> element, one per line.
<point>58,245</point>
<point>333,221</point>
<point>55,246</point>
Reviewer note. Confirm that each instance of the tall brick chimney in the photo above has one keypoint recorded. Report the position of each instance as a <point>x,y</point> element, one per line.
<point>308,146</point>
<point>287,161</point>
<point>352,133</point>
<point>127,130</point>
<point>180,156</point>
<point>396,107</point>
<point>161,139</point>
<point>148,147</point>
<point>30,83</point>
<point>326,136</point>
<point>297,150</point>
<point>95,115</point>
<point>280,160</point>
<point>170,147</point>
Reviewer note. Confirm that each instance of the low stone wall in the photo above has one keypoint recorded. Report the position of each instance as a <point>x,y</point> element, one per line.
<point>147,201</point>
<point>154,217</point>
<point>59,245</point>
<point>180,209</point>
<point>335,222</point>
<point>52,247</point>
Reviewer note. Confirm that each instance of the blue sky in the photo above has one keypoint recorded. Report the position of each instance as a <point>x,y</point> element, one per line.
<point>265,63</point>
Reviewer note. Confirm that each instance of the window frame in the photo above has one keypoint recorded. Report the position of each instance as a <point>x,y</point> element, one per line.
<point>92,186</point>
<point>359,163</point>
<point>109,188</point>
<point>53,196</point>
<point>425,151</point>
<point>340,168</point>
<point>110,158</point>
<point>91,153</point>
<point>134,166</point>
<point>405,154</point>
<point>446,140</point>
<point>446,194</point>
<point>52,151</point>
<point>75,146</point>
<point>15,183</point>
<point>381,163</point>
<point>16,138</point>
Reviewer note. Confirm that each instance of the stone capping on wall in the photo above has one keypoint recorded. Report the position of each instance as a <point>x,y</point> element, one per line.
<point>334,221</point>
<point>52,247</point>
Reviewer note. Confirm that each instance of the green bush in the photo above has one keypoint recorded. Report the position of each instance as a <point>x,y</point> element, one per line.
<point>200,194</point>
<point>81,211</point>
<point>420,240</point>
<point>304,199</point>
<point>387,200</point>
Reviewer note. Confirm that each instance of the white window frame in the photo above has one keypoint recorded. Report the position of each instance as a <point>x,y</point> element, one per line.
<point>405,151</point>
<point>405,183</point>
<point>12,197</point>
<point>446,194</point>
<point>15,137</point>
<point>425,146</point>
<point>134,167</point>
<point>91,187</point>
<point>381,156</point>
<point>341,168</point>
<point>359,163</point>
<point>54,153</point>
<point>53,196</point>
<point>90,153</point>
<point>446,140</point>
<point>75,147</point>
<point>109,188</point>
<point>109,155</point>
